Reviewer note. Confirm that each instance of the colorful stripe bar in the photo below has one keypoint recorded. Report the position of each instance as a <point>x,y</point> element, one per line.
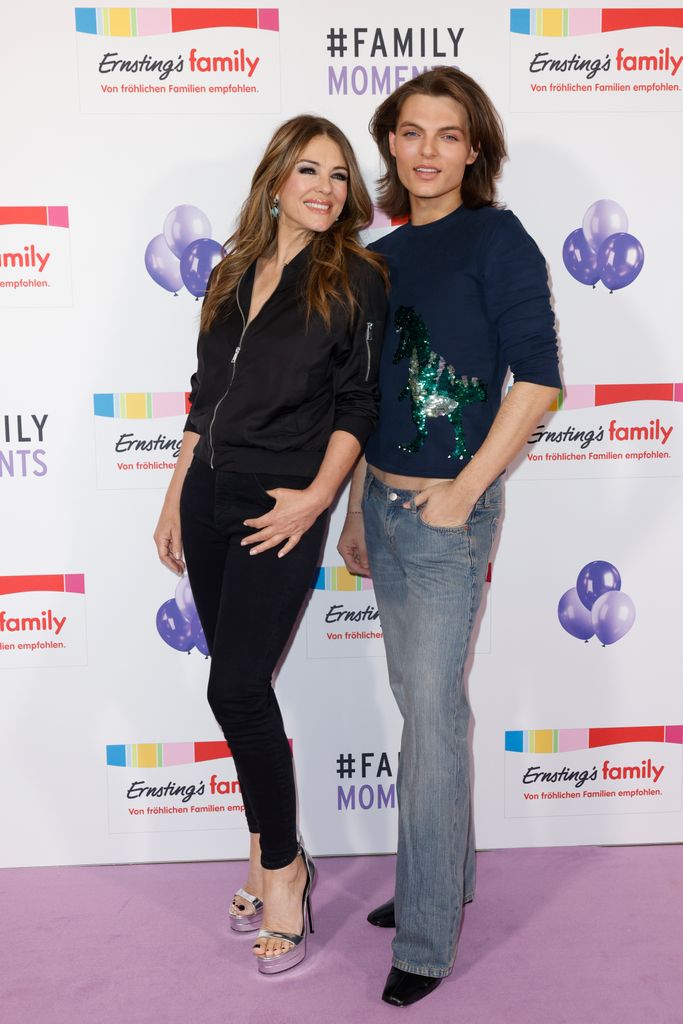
<point>581,21</point>
<point>141,405</point>
<point>556,741</point>
<point>590,396</point>
<point>67,583</point>
<point>166,755</point>
<point>380,219</point>
<point>616,19</point>
<point>612,394</point>
<point>338,578</point>
<point>634,734</point>
<point>49,216</point>
<point>153,21</point>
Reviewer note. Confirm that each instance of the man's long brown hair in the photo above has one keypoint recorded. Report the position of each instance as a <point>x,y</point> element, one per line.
<point>485,131</point>
<point>328,276</point>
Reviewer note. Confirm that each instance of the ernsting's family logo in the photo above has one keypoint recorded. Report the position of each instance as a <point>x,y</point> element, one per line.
<point>636,435</point>
<point>35,262</point>
<point>42,620</point>
<point>342,619</point>
<point>629,770</point>
<point>138,436</point>
<point>596,58</point>
<point>157,787</point>
<point>179,60</point>
<point>663,60</point>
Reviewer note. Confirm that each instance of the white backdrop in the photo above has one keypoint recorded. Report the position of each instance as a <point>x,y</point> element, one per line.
<point>108,750</point>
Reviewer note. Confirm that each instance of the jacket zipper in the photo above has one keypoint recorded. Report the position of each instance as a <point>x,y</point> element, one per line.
<point>368,339</point>
<point>234,367</point>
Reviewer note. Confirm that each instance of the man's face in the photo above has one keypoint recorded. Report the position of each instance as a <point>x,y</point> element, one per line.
<point>432,149</point>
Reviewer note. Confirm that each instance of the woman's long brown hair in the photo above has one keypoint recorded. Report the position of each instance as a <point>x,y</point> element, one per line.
<point>328,277</point>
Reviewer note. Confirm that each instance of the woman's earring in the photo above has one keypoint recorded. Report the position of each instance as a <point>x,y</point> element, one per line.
<point>275,208</point>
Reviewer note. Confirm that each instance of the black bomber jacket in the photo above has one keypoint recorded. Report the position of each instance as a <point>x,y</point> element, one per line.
<point>266,397</point>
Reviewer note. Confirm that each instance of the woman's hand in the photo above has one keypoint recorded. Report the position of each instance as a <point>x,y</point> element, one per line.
<point>443,504</point>
<point>352,545</point>
<point>167,534</point>
<point>294,513</point>
<point>168,541</point>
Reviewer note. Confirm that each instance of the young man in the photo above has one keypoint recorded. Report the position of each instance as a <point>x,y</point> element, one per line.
<point>469,299</point>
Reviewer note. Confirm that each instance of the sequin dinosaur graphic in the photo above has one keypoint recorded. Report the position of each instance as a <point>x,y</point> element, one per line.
<point>433,385</point>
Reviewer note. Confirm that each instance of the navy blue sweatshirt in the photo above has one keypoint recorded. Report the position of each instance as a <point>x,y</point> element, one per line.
<point>469,299</point>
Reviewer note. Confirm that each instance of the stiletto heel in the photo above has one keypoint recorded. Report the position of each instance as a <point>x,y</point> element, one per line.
<point>296,953</point>
<point>310,915</point>
<point>247,922</point>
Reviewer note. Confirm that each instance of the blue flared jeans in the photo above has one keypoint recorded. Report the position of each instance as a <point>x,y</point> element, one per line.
<point>428,583</point>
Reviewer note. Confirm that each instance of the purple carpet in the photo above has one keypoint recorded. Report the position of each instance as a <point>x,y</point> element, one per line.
<point>580,935</point>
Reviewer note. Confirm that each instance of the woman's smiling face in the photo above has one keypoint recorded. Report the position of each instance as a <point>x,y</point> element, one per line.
<point>313,195</point>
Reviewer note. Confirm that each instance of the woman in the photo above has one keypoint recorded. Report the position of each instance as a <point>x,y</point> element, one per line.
<point>282,401</point>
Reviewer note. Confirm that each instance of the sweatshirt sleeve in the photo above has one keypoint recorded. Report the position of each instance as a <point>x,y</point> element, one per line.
<point>357,359</point>
<point>518,301</point>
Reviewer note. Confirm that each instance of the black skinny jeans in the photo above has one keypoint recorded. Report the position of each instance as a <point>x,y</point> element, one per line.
<point>247,605</point>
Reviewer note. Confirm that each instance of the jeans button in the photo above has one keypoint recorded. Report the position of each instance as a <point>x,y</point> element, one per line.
<point>393,496</point>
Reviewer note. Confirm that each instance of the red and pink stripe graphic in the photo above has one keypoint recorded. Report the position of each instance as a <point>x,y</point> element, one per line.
<point>48,216</point>
<point>58,583</point>
<point>589,396</point>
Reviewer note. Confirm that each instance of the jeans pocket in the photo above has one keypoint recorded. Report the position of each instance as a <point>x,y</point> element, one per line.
<point>492,498</point>
<point>262,500</point>
<point>443,529</point>
<point>367,483</point>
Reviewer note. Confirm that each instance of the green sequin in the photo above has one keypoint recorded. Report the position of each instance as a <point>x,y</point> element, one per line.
<point>433,385</point>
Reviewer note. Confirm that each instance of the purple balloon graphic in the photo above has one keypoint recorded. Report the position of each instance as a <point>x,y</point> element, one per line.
<point>613,614</point>
<point>184,599</point>
<point>173,627</point>
<point>602,219</point>
<point>574,616</point>
<point>185,224</point>
<point>620,260</point>
<point>596,579</point>
<point>162,266</point>
<point>579,258</point>
<point>197,262</point>
<point>200,640</point>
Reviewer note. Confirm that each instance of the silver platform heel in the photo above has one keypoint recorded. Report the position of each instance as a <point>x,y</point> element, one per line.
<point>296,953</point>
<point>247,922</point>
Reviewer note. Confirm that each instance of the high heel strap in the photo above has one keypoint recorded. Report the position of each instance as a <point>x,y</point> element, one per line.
<point>284,936</point>
<point>297,951</point>
<point>256,903</point>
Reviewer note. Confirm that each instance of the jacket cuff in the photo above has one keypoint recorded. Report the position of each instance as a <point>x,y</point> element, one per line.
<point>359,426</point>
